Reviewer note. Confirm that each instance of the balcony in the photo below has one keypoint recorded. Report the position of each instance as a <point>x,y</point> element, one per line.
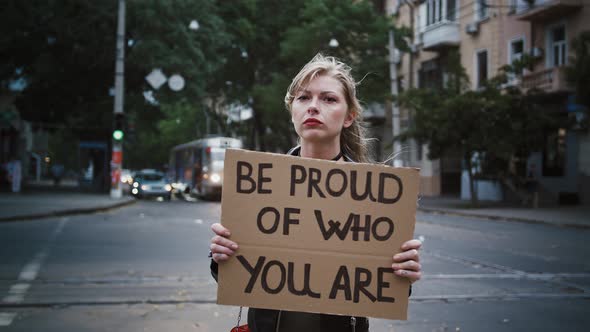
<point>548,80</point>
<point>441,35</point>
<point>548,10</point>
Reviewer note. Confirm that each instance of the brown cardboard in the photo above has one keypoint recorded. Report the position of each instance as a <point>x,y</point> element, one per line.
<point>296,266</point>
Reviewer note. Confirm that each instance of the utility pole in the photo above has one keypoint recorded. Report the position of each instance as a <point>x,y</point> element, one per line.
<point>117,153</point>
<point>395,118</point>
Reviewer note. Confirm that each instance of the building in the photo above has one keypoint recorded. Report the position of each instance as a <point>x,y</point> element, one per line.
<point>489,35</point>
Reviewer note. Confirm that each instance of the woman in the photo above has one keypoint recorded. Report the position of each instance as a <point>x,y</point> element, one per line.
<point>326,115</point>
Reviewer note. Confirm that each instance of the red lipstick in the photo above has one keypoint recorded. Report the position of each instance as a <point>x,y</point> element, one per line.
<point>312,122</point>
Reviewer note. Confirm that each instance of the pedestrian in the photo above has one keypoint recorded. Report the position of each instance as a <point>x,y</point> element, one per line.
<point>327,117</point>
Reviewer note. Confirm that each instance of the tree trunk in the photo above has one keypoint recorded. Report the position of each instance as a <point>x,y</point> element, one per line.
<point>474,200</point>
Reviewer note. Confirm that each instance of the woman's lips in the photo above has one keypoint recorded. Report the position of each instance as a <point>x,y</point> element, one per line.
<point>312,122</point>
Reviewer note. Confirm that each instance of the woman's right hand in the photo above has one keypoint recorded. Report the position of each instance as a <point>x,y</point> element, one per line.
<point>221,247</point>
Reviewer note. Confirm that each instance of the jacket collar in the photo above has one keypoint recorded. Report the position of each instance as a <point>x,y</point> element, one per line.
<point>296,151</point>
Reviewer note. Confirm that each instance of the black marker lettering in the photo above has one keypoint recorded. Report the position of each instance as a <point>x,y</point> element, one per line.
<point>275,223</point>
<point>254,271</point>
<point>361,283</point>
<point>315,176</point>
<point>341,282</point>
<point>339,192</point>
<point>389,200</point>
<point>262,179</point>
<point>264,277</point>
<point>297,179</point>
<point>306,277</point>
<point>383,284</point>
<point>247,177</point>
<point>390,227</point>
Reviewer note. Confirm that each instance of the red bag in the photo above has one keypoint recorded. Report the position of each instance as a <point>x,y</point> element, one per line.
<point>243,328</point>
<point>240,328</point>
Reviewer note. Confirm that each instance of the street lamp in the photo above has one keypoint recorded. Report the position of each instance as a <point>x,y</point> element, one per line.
<point>333,43</point>
<point>194,25</point>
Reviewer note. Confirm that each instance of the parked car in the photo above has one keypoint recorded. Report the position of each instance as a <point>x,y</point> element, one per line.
<point>151,183</point>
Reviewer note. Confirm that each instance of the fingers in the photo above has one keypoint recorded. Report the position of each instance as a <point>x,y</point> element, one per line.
<point>409,255</point>
<point>412,244</point>
<point>406,263</point>
<point>408,266</point>
<point>413,276</point>
<point>408,269</point>
<point>218,229</point>
<point>221,247</point>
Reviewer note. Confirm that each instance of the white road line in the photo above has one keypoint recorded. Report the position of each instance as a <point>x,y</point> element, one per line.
<point>535,276</point>
<point>6,318</point>
<point>13,298</point>
<point>17,292</point>
<point>19,289</point>
<point>29,272</point>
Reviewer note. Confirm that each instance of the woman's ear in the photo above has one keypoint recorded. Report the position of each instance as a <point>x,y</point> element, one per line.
<point>350,117</point>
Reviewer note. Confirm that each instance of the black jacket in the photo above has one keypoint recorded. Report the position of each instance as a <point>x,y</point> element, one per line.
<point>267,320</point>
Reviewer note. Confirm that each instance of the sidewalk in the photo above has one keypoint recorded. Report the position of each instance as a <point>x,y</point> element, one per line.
<point>577,216</point>
<point>43,204</point>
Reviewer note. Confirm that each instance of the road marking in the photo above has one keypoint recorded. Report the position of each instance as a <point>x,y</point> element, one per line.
<point>535,276</point>
<point>17,292</point>
<point>13,298</point>
<point>198,221</point>
<point>18,289</point>
<point>6,318</point>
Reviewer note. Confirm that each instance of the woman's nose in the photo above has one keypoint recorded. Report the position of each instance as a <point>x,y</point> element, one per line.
<point>313,106</point>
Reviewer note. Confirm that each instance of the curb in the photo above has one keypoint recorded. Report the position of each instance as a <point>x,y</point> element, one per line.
<point>70,212</point>
<point>500,218</point>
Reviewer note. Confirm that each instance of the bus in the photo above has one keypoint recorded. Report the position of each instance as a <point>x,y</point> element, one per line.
<point>196,168</point>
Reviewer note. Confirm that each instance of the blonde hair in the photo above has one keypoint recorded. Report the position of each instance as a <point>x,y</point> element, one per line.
<point>352,139</point>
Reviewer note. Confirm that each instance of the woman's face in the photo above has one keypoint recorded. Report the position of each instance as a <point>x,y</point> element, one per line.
<point>320,112</point>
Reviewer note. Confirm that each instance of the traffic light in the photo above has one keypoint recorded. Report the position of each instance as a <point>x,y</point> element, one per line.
<point>119,127</point>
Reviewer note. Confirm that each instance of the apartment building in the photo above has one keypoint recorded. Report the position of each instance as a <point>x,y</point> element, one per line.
<point>489,34</point>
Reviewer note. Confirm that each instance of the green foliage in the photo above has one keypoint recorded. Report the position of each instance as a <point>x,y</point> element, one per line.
<point>493,123</point>
<point>244,52</point>
<point>578,73</point>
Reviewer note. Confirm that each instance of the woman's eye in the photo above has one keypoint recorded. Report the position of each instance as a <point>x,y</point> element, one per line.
<point>331,99</point>
<point>304,97</point>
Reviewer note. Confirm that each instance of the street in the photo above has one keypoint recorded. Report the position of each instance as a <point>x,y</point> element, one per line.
<point>144,267</point>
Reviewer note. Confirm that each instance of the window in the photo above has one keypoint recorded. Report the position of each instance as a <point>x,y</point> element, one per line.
<point>512,6</point>
<point>557,46</point>
<point>440,10</point>
<point>515,52</point>
<point>430,75</point>
<point>481,10</point>
<point>451,10</point>
<point>481,67</point>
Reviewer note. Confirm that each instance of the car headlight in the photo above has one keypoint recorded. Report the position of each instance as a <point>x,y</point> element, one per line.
<point>135,184</point>
<point>134,191</point>
<point>168,187</point>
<point>145,187</point>
<point>215,178</point>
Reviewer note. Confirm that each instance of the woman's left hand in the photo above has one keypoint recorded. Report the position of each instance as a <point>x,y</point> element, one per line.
<point>407,263</point>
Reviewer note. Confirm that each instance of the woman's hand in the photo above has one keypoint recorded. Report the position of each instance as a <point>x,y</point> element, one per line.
<point>407,263</point>
<point>221,247</point>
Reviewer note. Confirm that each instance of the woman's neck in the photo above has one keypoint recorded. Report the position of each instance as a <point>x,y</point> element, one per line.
<point>319,151</point>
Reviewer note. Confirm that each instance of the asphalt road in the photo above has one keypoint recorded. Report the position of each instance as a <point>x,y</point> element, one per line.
<point>145,268</point>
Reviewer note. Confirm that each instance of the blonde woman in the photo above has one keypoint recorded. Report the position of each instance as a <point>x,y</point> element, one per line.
<point>326,115</point>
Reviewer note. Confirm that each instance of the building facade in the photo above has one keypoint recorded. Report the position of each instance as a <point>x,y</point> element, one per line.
<point>489,35</point>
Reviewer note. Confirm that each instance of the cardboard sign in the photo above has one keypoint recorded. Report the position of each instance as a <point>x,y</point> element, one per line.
<point>316,235</point>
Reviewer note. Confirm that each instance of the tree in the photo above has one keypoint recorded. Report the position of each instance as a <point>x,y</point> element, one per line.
<point>277,38</point>
<point>487,126</point>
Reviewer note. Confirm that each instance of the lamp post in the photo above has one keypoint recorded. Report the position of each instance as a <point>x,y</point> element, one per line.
<point>117,151</point>
<point>395,116</point>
